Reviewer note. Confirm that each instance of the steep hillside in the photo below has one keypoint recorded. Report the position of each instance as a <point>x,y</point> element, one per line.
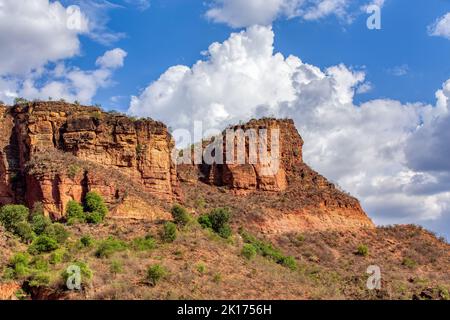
<point>294,198</point>
<point>239,232</point>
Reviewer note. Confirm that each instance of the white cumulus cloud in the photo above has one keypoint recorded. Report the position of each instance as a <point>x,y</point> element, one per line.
<point>112,59</point>
<point>365,148</point>
<point>441,27</point>
<point>73,83</point>
<point>244,13</point>
<point>33,33</point>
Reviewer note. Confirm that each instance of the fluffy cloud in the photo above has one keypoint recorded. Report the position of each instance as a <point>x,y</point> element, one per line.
<point>243,13</point>
<point>36,36</point>
<point>33,33</point>
<point>373,150</point>
<point>238,13</point>
<point>72,83</point>
<point>112,59</point>
<point>239,76</point>
<point>441,27</point>
<point>323,8</point>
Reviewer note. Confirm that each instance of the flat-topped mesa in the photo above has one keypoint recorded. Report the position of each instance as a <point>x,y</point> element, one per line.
<point>138,149</point>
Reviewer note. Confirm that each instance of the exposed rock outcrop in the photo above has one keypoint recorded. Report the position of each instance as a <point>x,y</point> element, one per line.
<point>140,150</point>
<point>288,199</point>
<point>53,152</point>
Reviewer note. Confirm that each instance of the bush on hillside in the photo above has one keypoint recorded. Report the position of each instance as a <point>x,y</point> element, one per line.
<point>40,223</point>
<point>58,232</point>
<point>155,273</point>
<point>218,221</point>
<point>94,203</point>
<point>169,232</point>
<point>75,213</point>
<point>24,231</point>
<point>12,214</point>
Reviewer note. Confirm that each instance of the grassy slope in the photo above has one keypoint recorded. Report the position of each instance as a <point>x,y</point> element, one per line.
<point>203,266</point>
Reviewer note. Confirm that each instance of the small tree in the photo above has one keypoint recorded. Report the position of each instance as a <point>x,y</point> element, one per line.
<point>24,231</point>
<point>39,223</point>
<point>11,215</point>
<point>75,213</point>
<point>170,232</point>
<point>156,273</point>
<point>362,250</point>
<point>42,244</point>
<point>95,203</point>
<point>58,232</point>
<point>180,215</point>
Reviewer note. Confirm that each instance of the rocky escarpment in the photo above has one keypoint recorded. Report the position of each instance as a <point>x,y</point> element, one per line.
<point>54,152</point>
<point>287,199</point>
<point>140,150</point>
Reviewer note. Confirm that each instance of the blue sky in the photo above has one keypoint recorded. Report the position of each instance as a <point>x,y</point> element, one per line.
<point>373,106</point>
<point>176,32</point>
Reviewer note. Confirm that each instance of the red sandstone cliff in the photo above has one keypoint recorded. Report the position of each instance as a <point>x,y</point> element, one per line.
<point>53,152</point>
<point>36,136</point>
<point>295,197</point>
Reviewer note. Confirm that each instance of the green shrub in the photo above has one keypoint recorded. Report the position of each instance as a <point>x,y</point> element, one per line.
<point>362,250</point>
<point>39,263</point>
<point>19,265</point>
<point>225,232</point>
<point>155,273</point>
<point>248,251</point>
<point>267,250</point>
<point>39,279</point>
<point>200,203</point>
<point>300,238</point>
<point>201,268</point>
<point>116,267</point>
<point>11,215</point>
<point>217,278</point>
<point>58,256</point>
<point>24,231</point>
<point>169,232</point>
<point>289,262</point>
<point>58,232</point>
<point>95,203</point>
<point>144,244</point>
<point>39,223</point>
<point>218,221</point>
<point>410,263</point>
<point>94,217</point>
<point>219,218</point>
<point>43,243</point>
<point>86,241</point>
<point>204,221</point>
<point>109,246</point>
<point>180,215</point>
<point>75,213</point>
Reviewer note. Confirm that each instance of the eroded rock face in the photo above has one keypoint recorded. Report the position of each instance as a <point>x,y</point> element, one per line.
<point>291,198</point>
<point>139,150</point>
<point>270,174</point>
